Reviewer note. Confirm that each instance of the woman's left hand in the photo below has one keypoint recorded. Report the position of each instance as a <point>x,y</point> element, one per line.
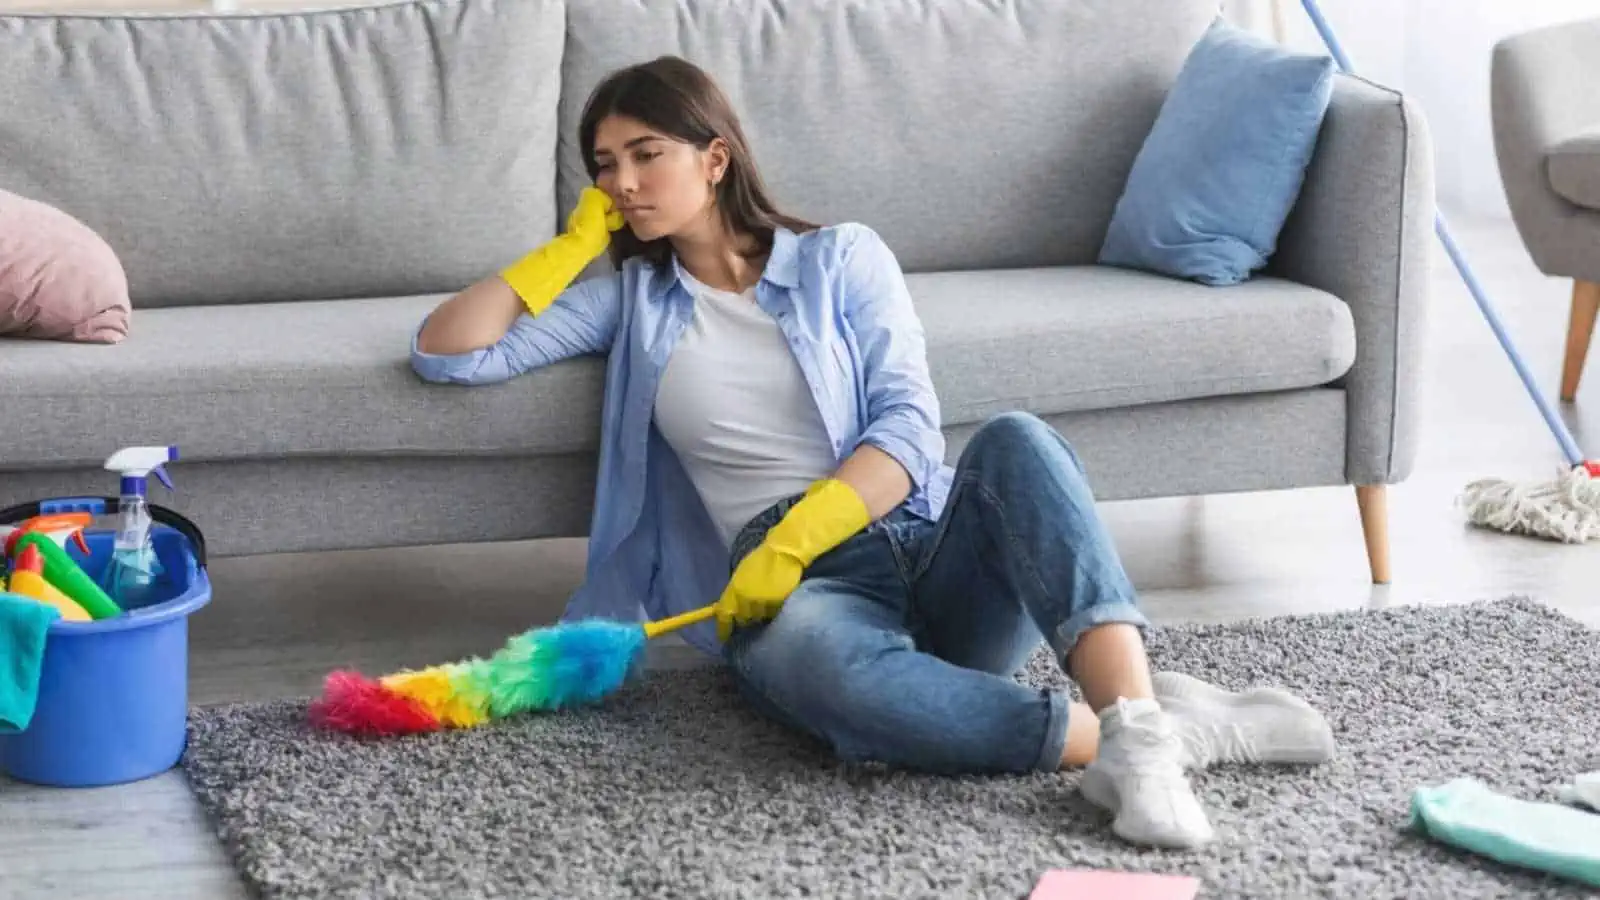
<point>761,582</point>
<point>829,514</point>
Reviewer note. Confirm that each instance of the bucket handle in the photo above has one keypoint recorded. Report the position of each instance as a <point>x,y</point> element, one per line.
<point>100,506</point>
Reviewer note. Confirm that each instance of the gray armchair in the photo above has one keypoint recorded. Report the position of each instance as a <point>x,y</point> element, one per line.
<point>1545,103</point>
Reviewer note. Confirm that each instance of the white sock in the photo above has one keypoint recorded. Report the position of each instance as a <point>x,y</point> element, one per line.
<point>1138,776</point>
<point>1261,725</point>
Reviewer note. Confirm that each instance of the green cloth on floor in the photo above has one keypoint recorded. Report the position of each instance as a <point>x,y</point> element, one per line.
<point>1547,837</point>
<point>24,623</point>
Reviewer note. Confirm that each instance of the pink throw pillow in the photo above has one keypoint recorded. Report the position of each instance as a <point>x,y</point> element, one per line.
<point>59,280</point>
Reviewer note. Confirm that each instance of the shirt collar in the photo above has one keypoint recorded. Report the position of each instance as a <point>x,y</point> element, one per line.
<point>783,264</point>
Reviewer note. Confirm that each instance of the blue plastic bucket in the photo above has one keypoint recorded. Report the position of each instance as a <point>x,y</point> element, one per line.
<point>114,694</point>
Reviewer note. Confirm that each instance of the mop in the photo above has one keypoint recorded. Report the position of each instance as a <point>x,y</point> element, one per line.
<point>1567,508</point>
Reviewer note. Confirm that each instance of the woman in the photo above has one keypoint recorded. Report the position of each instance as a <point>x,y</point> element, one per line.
<point>768,412</point>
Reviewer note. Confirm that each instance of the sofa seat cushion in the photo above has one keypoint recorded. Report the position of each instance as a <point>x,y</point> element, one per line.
<point>334,378</point>
<point>277,379</point>
<point>1058,340</point>
<point>1574,168</point>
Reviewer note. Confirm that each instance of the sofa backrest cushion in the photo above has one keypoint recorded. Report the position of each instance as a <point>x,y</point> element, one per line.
<point>969,133</point>
<point>397,149</point>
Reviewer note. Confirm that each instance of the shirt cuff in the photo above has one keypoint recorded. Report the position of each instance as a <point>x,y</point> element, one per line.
<point>443,368</point>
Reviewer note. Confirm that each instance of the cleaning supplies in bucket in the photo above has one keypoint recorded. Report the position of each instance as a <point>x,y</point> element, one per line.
<point>47,536</point>
<point>134,566</point>
<point>27,579</point>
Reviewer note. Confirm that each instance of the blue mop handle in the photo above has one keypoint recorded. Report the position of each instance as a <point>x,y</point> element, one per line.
<point>1569,447</point>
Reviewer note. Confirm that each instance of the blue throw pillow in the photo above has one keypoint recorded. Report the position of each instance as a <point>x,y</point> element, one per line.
<point>1224,162</point>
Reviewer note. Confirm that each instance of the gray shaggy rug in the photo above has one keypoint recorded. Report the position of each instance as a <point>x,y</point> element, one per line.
<point>675,789</point>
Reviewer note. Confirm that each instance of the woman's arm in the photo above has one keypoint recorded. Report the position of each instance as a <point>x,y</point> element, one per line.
<point>877,477</point>
<point>516,320</point>
<point>472,320</point>
<point>584,319</point>
<point>902,447</point>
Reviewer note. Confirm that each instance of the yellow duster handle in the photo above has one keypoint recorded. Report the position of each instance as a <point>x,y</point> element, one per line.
<point>658,628</point>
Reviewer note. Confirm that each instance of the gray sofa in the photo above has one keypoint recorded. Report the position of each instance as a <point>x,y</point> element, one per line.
<point>291,193</point>
<point>1545,104</point>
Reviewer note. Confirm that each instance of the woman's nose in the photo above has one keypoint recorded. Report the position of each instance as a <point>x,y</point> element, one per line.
<point>624,181</point>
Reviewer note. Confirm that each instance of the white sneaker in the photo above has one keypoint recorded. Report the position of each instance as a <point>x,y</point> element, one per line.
<point>1261,725</point>
<point>1138,776</point>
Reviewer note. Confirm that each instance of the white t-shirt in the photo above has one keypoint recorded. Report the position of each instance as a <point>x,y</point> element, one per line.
<point>736,409</point>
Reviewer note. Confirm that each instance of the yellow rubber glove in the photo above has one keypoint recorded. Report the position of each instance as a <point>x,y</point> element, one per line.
<point>830,514</point>
<point>541,276</point>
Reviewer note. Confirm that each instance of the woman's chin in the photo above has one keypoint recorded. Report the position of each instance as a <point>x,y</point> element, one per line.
<point>644,231</point>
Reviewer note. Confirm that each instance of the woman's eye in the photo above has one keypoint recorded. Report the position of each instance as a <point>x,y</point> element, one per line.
<point>647,156</point>
<point>601,167</point>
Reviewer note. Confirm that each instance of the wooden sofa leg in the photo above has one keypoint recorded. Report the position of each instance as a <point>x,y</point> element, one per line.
<point>1373,500</point>
<point>1580,327</point>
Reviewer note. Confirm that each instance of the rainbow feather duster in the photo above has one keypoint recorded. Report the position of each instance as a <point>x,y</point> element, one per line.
<point>550,668</point>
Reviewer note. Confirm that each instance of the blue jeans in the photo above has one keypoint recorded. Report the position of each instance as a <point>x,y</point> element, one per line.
<point>900,645</point>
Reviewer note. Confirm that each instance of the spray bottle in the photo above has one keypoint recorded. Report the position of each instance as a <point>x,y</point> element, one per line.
<point>47,537</point>
<point>134,566</point>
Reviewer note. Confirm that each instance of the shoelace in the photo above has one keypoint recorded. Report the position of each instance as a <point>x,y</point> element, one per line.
<point>1213,743</point>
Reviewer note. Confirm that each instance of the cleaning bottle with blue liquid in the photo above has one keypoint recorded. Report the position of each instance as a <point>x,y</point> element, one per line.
<point>133,569</point>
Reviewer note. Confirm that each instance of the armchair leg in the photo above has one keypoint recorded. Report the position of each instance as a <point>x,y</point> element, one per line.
<point>1580,327</point>
<point>1373,501</point>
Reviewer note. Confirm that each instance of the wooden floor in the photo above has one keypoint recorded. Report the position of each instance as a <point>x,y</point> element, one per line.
<point>1202,559</point>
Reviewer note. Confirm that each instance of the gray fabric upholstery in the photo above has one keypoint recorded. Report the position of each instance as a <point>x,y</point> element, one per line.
<point>412,148</point>
<point>291,504</point>
<point>331,377</point>
<point>1574,166</point>
<point>970,134</point>
<point>399,149</point>
<point>1542,93</point>
<point>1061,339</point>
<point>1248,442</point>
<point>293,379</point>
<point>1363,231</point>
<point>300,503</point>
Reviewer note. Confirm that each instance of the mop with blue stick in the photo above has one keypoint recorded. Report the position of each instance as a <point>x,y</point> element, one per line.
<point>1567,508</point>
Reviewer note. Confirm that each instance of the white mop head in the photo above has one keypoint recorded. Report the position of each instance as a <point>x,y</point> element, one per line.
<point>1566,509</point>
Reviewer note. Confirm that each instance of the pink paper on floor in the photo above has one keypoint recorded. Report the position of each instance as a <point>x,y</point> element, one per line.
<point>1095,884</point>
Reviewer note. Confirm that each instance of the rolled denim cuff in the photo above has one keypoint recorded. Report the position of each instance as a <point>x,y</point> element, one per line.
<point>1055,734</point>
<point>1120,612</point>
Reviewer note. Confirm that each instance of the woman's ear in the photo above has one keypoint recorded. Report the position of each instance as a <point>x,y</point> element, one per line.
<point>717,158</point>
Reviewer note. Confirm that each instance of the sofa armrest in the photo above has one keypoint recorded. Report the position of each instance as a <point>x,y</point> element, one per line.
<point>1362,230</point>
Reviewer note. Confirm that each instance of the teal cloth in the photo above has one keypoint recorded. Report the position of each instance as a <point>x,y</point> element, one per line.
<point>1548,837</point>
<point>24,623</point>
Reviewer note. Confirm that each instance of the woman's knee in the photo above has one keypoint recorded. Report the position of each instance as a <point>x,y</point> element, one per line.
<point>1021,441</point>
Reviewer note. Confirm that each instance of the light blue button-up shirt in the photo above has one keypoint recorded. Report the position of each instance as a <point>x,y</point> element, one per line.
<point>839,298</point>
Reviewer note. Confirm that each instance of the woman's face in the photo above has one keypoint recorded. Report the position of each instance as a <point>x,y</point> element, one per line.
<point>661,185</point>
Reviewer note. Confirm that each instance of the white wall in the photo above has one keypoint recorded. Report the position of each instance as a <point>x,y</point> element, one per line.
<point>1438,52</point>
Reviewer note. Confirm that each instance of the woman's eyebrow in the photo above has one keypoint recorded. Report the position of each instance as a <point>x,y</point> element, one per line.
<point>633,143</point>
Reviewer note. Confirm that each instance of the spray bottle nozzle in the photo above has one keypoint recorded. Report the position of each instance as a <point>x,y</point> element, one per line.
<point>137,462</point>
<point>60,527</point>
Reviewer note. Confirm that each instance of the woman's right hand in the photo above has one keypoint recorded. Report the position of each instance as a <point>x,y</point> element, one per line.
<point>594,218</point>
<point>480,315</point>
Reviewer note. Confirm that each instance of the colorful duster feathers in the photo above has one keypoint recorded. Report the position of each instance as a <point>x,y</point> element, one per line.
<point>549,668</point>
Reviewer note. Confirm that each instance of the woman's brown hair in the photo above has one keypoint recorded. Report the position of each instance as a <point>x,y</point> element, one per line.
<point>675,97</point>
